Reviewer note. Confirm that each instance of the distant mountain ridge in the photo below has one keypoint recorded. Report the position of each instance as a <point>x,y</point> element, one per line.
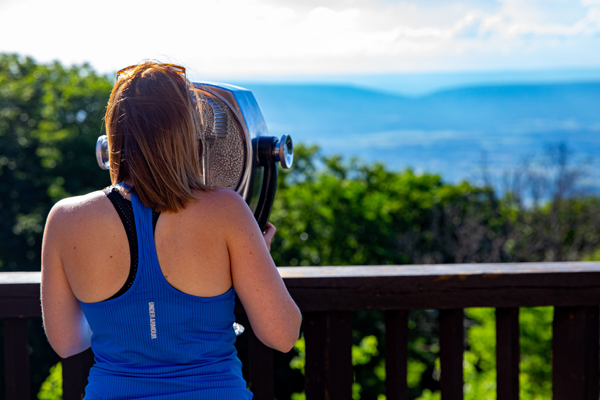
<point>446,131</point>
<point>468,106</point>
<point>427,82</point>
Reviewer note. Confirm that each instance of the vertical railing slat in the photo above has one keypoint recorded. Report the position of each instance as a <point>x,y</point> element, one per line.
<point>16,359</point>
<point>396,354</point>
<point>575,353</point>
<point>340,376</point>
<point>508,353</point>
<point>315,337</point>
<point>328,337</point>
<point>592,359</point>
<point>451,353</point>
<point>75,374</point>
<point>260,368</point>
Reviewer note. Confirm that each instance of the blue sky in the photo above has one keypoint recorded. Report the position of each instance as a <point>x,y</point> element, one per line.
<point>274,39</point>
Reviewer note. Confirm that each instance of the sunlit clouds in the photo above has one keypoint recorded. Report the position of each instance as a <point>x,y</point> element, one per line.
<point>269,37</point>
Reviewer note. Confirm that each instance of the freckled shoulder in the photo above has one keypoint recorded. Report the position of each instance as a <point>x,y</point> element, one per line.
<point>80,212</point>
<point>222,208</point>
<point>77,206</point>
<point>218,201</point>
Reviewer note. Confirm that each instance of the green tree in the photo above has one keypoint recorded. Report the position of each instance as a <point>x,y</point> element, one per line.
<point>50,118</point>
<point>52,388</point>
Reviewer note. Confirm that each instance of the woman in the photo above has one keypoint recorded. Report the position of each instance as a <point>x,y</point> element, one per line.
<point>146,271</point>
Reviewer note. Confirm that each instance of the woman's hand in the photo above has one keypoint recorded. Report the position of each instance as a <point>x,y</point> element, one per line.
<point>268,234</point>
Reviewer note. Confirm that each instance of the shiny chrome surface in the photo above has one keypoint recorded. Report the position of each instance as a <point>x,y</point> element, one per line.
<point>223,141</point>
<point>102,152</point>
<point>238,329</point>
<point>246,112</point>
<point>283,151</point>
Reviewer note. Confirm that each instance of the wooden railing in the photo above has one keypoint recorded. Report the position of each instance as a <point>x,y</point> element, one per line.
<point>328,295</point>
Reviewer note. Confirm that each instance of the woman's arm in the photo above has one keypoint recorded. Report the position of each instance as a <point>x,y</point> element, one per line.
<point>274,316</point>
<point>66,327</point>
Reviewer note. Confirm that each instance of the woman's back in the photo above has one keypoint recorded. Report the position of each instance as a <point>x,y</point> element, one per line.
<point>190,244</point>
<point>154,341</point>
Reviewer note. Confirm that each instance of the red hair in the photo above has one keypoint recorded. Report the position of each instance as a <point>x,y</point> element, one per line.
<point>153,132</point>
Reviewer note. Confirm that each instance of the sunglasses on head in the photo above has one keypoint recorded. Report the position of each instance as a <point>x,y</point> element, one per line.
<point>128,70</point>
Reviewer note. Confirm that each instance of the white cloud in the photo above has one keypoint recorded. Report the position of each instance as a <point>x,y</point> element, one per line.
<point>245,37</point>
<point>328,20</point>
<point>505,24</point>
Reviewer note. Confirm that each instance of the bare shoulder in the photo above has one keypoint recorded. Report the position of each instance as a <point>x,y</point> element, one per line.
<point>78,210</point>
<point>75,219</point>
<point>220,202</point>
<point>219,195</point>
<point>73,207</point>
<point>223,208</point>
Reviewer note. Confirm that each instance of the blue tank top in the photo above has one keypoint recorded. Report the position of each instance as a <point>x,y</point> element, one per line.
<point>155,342</point>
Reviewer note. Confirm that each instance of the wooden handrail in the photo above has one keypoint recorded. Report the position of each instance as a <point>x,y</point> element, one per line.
<point>394,287</point>
<point>443,286</point>
<point>327,295</point>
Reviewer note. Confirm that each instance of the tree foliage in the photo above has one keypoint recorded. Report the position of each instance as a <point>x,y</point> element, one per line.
<point>50,118</point>
<point>334,212</point>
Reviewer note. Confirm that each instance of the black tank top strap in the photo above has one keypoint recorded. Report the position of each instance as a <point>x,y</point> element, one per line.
<point>125,211</point>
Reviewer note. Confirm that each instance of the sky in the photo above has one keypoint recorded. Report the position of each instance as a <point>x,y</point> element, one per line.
<point>275,39</point>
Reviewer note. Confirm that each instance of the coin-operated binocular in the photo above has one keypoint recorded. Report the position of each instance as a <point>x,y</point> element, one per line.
<point>237,151</point>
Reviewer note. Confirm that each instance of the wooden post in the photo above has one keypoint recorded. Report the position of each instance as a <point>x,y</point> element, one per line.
<point>260,368</point>
<point>16,358</point>
<point>508,353</point>
<point>451,353</point>
<point>76,370</point>
<point>575,353</point>
<point>328,337</point>
<point>396,354</point>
